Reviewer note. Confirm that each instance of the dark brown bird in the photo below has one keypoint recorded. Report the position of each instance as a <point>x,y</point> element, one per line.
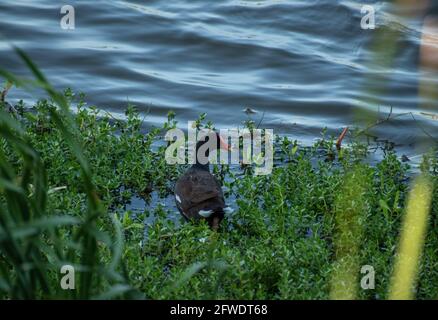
<point>198,194</point>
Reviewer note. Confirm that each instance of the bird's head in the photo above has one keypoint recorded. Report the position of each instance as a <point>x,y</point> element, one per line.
<point>209,141</point>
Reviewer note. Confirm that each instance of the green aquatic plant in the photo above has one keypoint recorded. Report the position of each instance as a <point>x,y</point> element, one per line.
<point>34,242</point>
<point>282,241</point>
<point>67,180</point>
<point>351,208</point>
<point>412,239</point>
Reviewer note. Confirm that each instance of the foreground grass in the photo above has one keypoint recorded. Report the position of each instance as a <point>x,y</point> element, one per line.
<point>284,241</point>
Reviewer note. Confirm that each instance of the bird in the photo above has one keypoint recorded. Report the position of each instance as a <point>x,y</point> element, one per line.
<point>198,194</point>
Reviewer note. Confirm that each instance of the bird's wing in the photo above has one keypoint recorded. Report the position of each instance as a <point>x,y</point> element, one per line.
<point>194,188</point>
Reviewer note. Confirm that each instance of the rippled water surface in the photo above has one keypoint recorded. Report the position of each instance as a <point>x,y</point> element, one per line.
<point>305,64</point>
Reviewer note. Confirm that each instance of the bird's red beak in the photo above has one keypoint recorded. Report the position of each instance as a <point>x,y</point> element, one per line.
<point>224,144</point>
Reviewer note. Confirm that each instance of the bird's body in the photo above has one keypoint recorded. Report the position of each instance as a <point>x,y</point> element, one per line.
<point>199,195</point>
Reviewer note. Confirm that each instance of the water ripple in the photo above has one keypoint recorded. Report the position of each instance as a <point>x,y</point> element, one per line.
<point>307,64</point>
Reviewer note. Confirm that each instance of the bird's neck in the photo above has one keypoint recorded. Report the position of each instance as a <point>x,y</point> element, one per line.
<point>205,167</point>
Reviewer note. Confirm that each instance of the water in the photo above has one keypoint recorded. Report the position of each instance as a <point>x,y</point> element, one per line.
<point>305,64</point>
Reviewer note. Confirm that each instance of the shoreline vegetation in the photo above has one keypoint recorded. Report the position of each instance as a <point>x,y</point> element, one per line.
<point>303,232</point>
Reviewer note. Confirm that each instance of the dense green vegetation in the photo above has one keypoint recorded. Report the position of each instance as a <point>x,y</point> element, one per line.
<point>280,243</point>
<point>302,232</point>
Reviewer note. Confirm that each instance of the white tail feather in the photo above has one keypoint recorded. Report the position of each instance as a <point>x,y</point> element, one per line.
<point>228,210</point>
<point>205,213</point>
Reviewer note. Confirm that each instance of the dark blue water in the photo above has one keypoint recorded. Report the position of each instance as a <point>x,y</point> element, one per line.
<point>305,64</point>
